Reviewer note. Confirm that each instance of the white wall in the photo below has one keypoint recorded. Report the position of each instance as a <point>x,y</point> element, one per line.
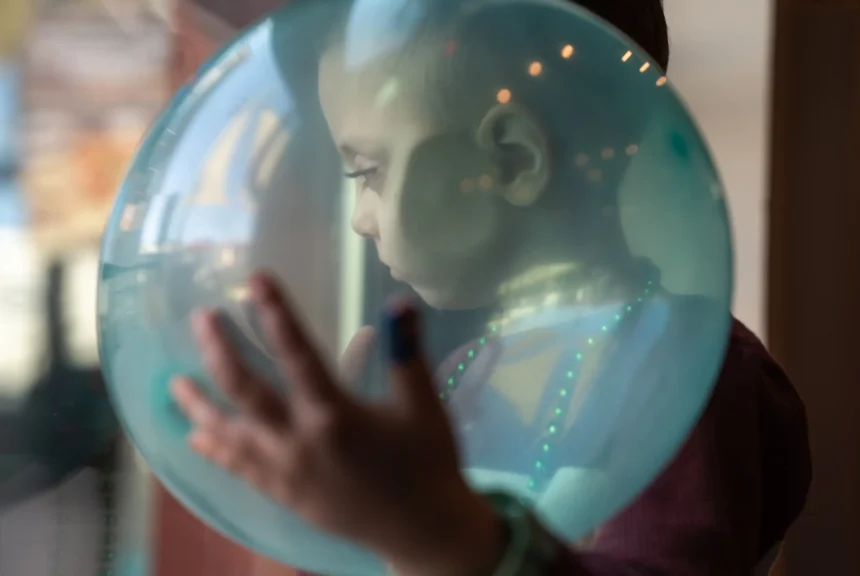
<point>721,65</point>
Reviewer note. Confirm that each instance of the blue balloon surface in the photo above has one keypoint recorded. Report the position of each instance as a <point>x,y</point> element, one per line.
<point>521,168</point>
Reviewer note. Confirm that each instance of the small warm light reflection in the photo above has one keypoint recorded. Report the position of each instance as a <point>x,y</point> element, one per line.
<point>485,182</point>
<point>504,96</point>
<point>607,153</point>
<point>582,160</point>
<point>632,150</point>
<point>662,81</point>
<point>535,68</point>
<point>450,48</point>
<point>645,67</point>
<point>467,186</point>
<point>567,52</point>
<point>595,175</point>
<point>627,56</point>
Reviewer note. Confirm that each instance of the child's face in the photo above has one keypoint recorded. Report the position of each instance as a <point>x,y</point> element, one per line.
<point>425,193</point>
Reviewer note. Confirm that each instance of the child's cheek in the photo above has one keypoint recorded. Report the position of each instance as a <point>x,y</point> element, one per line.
<point>447,202</point>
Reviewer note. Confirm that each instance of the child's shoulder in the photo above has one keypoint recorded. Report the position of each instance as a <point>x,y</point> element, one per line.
<point>741,478</point>
<point>777,430</point>
<point>750,371</point>
<point>755,414</point>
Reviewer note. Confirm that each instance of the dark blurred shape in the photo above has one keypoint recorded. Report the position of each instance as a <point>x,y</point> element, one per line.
<point>8,170</point>
<point>66,423</point>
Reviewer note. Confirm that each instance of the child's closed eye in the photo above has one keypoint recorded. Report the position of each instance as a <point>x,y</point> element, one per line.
<point>369,177</point>
<point>361,173</point>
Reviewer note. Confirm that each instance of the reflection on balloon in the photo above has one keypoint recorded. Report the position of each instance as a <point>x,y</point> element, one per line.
<point>523,170</point>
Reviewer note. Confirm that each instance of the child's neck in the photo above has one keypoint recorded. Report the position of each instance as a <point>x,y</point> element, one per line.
<point>572,283</point>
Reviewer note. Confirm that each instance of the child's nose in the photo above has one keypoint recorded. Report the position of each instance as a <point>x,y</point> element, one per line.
<point>364,220</point>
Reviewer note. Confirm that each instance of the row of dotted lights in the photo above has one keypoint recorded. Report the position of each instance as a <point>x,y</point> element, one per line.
<point>485,182</point>
<point>596,174</point>
<point>535,69</point>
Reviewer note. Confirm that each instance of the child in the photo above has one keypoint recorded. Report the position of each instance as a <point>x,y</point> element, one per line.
<point>724,502</point>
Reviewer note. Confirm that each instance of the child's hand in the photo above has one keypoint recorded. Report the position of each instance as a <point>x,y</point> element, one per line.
<point>384,476</point>
<point>354,358</point>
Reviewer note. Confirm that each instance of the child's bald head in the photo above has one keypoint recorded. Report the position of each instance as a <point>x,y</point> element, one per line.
<point>456,115</point>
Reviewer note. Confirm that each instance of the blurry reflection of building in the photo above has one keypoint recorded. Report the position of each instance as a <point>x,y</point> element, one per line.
<point>91,88</point>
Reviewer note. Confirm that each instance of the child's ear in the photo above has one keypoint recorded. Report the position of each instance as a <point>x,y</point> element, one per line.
<point>517,145</point>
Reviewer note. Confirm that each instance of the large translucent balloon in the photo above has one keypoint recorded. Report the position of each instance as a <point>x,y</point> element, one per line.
<point>523,168</point>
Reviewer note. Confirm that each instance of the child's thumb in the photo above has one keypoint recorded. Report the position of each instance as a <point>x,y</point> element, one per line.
<point>409,373</point>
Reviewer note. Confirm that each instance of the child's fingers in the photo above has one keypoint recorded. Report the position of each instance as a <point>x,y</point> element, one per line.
<point>298,357</point>
<point>217,437</point>
<point>196,407</point>
<point>409,372</point>
<point>230,372</point>
<point>248,449</point>
<point>235,447</point>
<point>355,357</point>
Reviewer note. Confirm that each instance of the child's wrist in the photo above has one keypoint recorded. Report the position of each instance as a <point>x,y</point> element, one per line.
<point>498,537</point>
<point>471,540</point>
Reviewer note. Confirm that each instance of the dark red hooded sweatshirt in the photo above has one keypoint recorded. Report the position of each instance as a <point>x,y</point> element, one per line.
<point>732,492</point>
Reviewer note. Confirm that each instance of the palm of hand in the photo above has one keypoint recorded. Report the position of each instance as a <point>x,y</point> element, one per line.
<point>385,475</point>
